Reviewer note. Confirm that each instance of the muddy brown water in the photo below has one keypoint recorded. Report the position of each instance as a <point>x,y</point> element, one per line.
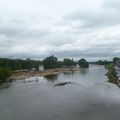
<point>88,96</point>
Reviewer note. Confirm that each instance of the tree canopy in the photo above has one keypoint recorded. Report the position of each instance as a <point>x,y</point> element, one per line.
<point>83,63</point>
<point>68,62</point>
<point>115,59</point>
<point>51,62</point>
<point>4,74</point>
<point>19,64</point>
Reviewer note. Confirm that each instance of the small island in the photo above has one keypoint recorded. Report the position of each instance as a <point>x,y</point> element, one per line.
<point>15,69</point>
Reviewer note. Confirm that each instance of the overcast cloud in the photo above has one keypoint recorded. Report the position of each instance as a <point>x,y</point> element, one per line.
<point>65,28</point>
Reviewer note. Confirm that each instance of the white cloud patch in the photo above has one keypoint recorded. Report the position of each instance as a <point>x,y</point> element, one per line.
<point>66,28</point>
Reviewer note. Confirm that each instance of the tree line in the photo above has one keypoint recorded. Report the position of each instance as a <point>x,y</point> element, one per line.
<point>53,62</point>
<point>19,64</point>
<point>8,65</point>
<point>48,63</point>
<point>102,62</point>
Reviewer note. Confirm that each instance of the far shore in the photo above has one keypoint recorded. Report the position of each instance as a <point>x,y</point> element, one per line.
<point>26,74</point>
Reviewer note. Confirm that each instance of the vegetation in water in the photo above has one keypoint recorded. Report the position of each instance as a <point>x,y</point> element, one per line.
<point>112,74</point>
<point>83,63</point>
<point>51,62</point>
<point>19,64</point>
<point>4,74</point>
<point>48,63</point>
<point>69,62</point>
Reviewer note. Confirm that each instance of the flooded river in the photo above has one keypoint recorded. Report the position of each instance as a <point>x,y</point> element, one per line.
<point>80,95</point>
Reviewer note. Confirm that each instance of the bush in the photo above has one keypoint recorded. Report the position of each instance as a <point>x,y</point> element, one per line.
<point>4,74</point>
<point>111,73</point>
<point>51,62</point>
<point>83,63</point>
<point>68,62</point>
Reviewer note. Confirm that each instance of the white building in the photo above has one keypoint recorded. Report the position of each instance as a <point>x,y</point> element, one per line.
<point>41,68</point>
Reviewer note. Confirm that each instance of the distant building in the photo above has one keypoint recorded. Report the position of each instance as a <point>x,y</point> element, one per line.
<point>41,68</point>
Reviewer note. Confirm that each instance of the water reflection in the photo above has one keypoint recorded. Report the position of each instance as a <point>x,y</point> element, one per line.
<point>51,78</point>
<point>69,72</point>
<point>79,97</point>
<point>5,84</point>
<point>84,71</point>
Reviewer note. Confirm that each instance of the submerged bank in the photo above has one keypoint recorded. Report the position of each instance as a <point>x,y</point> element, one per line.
<point>26,74</point>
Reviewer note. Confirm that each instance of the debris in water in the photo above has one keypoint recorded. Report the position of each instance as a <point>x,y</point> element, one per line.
<point>62,83</point>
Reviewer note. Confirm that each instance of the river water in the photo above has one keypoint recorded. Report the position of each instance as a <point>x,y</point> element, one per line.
<point>88,97</point>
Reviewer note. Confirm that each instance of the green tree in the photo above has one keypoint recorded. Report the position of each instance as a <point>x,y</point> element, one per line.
<point>115,59</point>
<point>4,74</point>
<point>83,63</point>
<point>68,62</point>
<point>112,74</point>
<point>19,64</point>
<point>51,62</point>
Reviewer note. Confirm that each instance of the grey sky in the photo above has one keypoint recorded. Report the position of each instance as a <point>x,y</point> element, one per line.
<point>66,28</point>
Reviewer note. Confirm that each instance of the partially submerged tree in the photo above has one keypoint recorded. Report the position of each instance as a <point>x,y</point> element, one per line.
<point>4,74</point>
<point>51,62</point>
<point>68,62</point>
<point>83,63</point>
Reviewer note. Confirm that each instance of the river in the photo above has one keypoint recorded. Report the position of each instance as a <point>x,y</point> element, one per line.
<point>88,97</point>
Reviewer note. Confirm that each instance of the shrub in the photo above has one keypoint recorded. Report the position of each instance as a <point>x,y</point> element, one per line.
<point>51,62</point>
<point>4,74</point>
<point>83,63</point>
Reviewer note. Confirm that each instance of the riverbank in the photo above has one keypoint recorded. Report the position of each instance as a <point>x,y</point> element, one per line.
<point>26,74</point>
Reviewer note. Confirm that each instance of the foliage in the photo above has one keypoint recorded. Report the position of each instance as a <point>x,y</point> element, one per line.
<point>48,63</point>
<point>83,63</point>
<point>51,62</point>
<point>19,64</point>
<point>4,74</point>
<point>68,62</point>
<point>102,62</point>
<point>111,73</point>
<point>115,59</point>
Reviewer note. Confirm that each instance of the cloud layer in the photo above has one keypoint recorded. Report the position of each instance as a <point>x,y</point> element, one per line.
<point>66,28</point>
